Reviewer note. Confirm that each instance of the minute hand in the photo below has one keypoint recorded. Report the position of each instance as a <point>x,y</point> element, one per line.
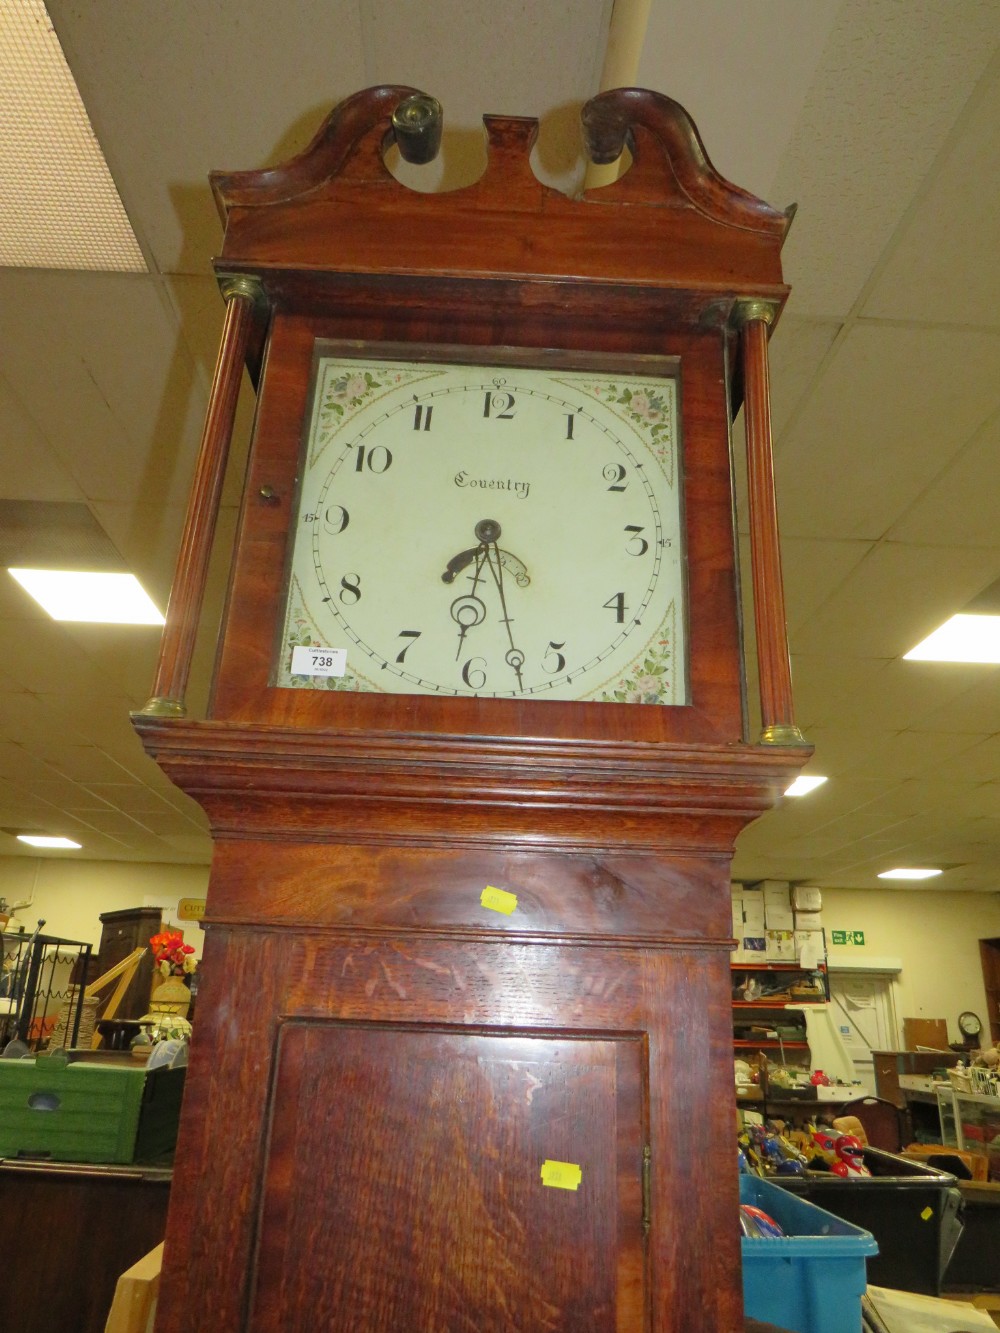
<point>513,657</point>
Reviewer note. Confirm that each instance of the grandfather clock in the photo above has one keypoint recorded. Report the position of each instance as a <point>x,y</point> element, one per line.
<point>476,754</point>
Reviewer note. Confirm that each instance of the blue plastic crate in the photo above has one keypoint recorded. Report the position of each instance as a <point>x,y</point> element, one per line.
<point>812,1279</point>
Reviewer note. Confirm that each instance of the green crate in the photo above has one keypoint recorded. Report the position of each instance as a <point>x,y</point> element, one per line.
<point>83,1112</point>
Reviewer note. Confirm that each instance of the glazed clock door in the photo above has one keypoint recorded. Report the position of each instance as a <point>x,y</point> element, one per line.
<point>442,1180</point>
<point>504,531</point>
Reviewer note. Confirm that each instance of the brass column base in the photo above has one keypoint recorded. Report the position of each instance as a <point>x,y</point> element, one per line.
<point>157,707</point>
<point>781,733</point>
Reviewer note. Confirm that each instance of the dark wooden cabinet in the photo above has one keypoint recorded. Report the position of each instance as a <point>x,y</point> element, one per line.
<point>122,932</point>
<point>382,1064</point>
<point>70,1231</point>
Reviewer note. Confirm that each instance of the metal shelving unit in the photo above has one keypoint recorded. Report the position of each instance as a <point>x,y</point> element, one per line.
<point>36,984</point>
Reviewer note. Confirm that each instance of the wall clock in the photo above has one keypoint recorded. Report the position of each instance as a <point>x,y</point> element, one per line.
<point>502,530</point>
<point>476,753</point>
<point>969,1024</point>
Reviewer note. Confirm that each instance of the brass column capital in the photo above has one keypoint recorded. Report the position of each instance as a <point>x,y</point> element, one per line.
<point>243,284</point>
<point>749,308</point>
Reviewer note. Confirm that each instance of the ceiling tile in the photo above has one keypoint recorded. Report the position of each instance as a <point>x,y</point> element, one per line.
<point>978,763</point>
<point>894,598</point>
<point>852,691</point>
<point>886,394</point>
<point>795,354</point>
<point>977,710</point>
<point>745,124</point>
<point>21,439</point>
<point>943,264</point>
<point>120,435</point>
<point>166,116</point>
<point>910,754</point>
<point>878,111</point>
<point>813,570</point>
<point>840,749</point>
<point>834,689</point>
<point>958,508</point>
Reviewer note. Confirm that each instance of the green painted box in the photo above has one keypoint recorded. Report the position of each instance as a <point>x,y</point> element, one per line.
<point>84,1112</point>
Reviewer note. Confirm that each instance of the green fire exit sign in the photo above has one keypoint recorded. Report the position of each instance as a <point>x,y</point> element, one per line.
<point>847,937</point>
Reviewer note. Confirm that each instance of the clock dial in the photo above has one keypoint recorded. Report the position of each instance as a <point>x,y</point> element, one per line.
<point>488,530</point>
<point>970,1024</point>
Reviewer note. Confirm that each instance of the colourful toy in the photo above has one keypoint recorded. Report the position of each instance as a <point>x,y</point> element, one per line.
<point>770,1153</point>
<point>849,1161</point>
<point>758,1224</point>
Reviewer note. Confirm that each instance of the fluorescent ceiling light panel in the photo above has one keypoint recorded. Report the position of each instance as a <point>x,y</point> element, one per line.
<point>911,872</point>
<point>107,599</point>
<point>963,638</point>
<point>802,786</point>
<point>43,840</point>
<point>59,204</point>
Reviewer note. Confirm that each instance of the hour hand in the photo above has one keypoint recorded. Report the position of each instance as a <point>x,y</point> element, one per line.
<point>458,562</point>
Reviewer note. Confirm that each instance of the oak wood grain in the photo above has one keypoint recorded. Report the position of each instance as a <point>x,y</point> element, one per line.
<point>465,1187</point>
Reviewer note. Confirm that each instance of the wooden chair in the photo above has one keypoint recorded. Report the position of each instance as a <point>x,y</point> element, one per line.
<point>881,1121</point>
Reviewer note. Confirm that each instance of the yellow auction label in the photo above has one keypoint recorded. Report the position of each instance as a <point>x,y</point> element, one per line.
<point>928,1213</point>
<point>498,900</point>
<point>561,1175</point>
<point>191,909</point>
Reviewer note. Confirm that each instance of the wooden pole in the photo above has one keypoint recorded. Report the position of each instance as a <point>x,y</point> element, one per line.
<point>188,589</point>
<point>774,669</point>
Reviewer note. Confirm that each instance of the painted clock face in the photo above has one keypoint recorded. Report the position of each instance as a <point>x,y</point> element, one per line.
<point>488,530</point>
<point>970,1024</point>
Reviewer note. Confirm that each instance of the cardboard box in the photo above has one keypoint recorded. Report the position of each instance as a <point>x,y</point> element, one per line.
<point>808,920</point>
<point>775,893</point>
<point>737,955</point>
<point>806,899</point>
<point>778,916</point>
<point>753,914</point>
<point>780,946</point>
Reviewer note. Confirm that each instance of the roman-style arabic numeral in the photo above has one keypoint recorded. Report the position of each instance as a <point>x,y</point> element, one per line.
<point>335,519</point>
<point>422,416</point>
<point>474,676</point>
<point>617,604</point>
<point>615,474</point>
<point>499,406</point>
<point>377,459</point>
<point>412,635</point>
<point>570,418</point>
<point>553,651</point>
<point>636,540</point>
<point>350,589</point>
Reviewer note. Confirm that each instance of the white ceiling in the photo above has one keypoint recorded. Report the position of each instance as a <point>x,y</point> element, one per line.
<point>880,119</point>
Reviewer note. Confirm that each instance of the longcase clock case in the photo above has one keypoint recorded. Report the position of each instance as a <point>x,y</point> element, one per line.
<point>407,1109</point>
